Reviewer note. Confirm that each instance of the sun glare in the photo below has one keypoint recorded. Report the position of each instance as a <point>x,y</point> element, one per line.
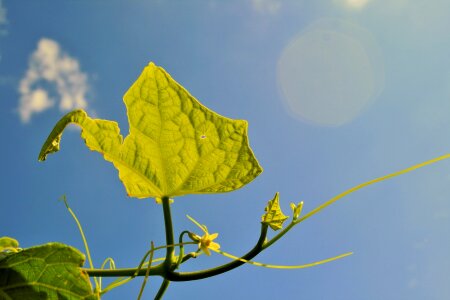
<point>330,73</point>
<point>358,4</point>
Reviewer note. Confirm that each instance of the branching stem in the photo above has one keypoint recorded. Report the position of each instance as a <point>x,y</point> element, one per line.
<point>171,262</point>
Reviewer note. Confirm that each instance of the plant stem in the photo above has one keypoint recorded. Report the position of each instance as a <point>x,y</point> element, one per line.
<point>160,270</point>
<point>351,190</point>
<point>376,180</point>
<point>152,251</point>
<point>86,246</point>
<point>169,234</point>
<point>165,269</point>
<point>181,256</point>
<point>162,289</point>
<point>187,276</point>
<point>169,261</point>
<point>157,270</point>
<point>279,235</point>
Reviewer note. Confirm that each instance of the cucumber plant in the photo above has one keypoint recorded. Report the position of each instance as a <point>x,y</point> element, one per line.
<point>175,147</point>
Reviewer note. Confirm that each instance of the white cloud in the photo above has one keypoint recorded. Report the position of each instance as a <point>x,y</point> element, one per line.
<point>266,6</point>
<point>49,66</point>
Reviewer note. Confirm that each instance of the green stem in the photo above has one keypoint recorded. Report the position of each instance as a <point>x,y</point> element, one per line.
<point>187,276</point>
<point>169,261</point>
<point>169,234</point>
<point>160,270</point>
<point>181,254</point>
<point>152,251</point>
<point>279,235</point>
<point>166,269</point>
<point>188,257</point>
<point>86,246</point>
<point>162,289</point>
<point>157,270</point>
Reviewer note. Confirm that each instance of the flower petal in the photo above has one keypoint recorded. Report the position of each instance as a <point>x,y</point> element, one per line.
<point>205,250</point>
<point>214,246</point>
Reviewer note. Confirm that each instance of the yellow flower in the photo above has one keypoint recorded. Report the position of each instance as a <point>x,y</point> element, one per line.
<point>206,241</point>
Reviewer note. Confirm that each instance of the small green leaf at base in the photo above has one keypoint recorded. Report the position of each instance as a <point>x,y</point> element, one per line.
<point>274,217</point>
<point>8,244</point>
<point>50,271</point>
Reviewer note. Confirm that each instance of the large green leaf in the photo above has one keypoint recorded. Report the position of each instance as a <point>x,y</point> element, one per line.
<point>175,146</point>
<point>50,271</point>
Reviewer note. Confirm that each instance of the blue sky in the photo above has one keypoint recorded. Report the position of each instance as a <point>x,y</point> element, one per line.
<point>336,93</point>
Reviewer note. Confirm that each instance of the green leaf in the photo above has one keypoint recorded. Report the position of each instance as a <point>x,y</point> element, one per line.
<point>274,217</point>
<point>296,209</point>
<point>7,243</point>
<point>175,146</point>
<point>50,271</point>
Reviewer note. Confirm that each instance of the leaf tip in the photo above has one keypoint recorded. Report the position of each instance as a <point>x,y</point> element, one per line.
<point>274,217</point>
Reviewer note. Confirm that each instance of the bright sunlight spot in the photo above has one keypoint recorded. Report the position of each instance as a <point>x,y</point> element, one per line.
<point>330,73</point>
<point>356,3</point>
<point>352,4</point>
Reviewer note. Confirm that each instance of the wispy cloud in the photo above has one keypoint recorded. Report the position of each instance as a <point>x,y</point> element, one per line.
<point>51,71</point>
<point>3,19</point>
<point>266,6</point>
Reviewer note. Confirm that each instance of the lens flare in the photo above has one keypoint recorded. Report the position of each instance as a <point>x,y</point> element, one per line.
<point>330,73</point>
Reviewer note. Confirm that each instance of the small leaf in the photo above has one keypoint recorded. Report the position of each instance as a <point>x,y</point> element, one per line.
<point>274,217</point>
<point>176,146</point>
<point>296,210</point>
<point>7,243</point>
<point>50,271</point>
<point>292,205</point>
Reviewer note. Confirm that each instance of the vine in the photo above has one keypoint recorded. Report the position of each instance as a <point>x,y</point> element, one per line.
<point>176,146</point>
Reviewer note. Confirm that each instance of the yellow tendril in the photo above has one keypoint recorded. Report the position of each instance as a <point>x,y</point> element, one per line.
<point>360,186</point>
<point>313,264</point>
<point>86,246</point>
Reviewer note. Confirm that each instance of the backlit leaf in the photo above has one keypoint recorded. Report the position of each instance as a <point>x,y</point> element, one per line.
<point>175,146</point>
<point>7,243</point>
<point>296,209</point>
<point>50,271</point>
<point>274,217</point>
